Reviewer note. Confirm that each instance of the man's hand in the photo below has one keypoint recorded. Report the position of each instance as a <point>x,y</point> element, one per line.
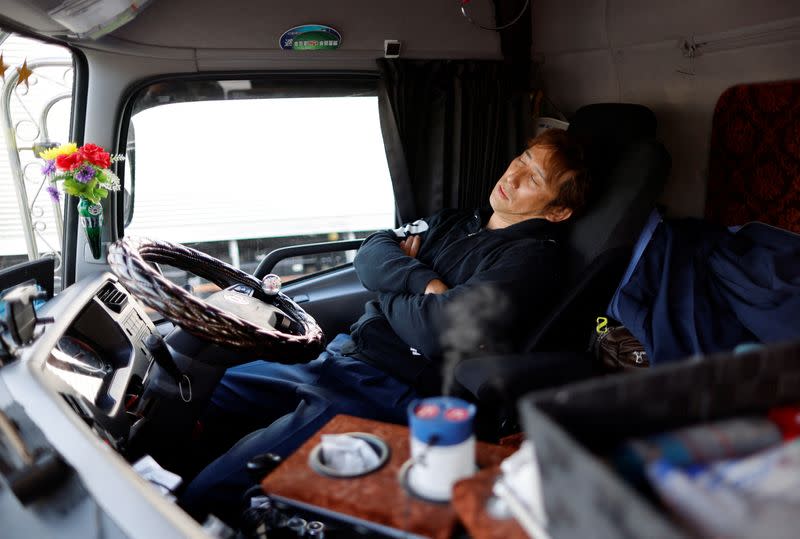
<point>410,246</point>
<point>436,287</point>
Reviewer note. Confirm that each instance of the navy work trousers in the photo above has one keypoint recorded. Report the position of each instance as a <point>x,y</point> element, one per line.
<point>287,404</point>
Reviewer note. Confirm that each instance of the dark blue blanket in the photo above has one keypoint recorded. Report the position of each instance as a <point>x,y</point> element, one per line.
<point>701,288</point>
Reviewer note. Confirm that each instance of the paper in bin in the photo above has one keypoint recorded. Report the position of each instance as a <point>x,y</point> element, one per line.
<point>348,454</point>
<point>758,496</point>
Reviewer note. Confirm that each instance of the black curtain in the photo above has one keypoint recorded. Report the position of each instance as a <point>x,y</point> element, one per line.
<point>450,128</point>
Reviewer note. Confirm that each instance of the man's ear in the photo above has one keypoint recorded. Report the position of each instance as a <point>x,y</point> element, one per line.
<point>558,214</point>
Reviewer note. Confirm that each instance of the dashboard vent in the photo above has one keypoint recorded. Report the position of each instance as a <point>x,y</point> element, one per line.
<point>112,297</point>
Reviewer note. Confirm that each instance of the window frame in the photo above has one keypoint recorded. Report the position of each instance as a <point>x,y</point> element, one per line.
<point>334,83</point>
<point>295,84</point>
<point>77,127</point>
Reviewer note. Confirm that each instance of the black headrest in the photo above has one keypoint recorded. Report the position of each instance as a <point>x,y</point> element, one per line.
<point>629,169</point>
<point>605,129</point>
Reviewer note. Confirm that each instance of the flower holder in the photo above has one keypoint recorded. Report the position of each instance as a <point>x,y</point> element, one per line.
<point>84,173</point>
<point>91,216</point>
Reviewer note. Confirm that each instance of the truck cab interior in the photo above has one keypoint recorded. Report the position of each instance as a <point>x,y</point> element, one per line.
<point>265,139</point>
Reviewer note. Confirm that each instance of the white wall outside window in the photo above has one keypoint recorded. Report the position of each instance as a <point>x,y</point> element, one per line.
<point>252,168</point>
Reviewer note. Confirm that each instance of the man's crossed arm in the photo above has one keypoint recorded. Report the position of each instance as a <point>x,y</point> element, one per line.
<point>413,296</point>
<point>410,247</point>
<point>384,264</point>
<point>524,275</point>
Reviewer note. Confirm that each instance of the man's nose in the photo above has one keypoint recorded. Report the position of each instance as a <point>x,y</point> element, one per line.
<point>513,180</point>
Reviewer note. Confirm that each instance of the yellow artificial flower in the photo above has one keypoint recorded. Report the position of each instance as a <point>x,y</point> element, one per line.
<point>64,149</point>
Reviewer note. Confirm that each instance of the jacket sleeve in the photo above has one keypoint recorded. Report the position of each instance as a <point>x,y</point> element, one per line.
<point>382,266</point>
<point>525,277</point>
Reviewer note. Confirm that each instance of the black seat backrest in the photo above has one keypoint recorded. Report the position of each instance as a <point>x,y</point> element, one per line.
<point>629,169</point>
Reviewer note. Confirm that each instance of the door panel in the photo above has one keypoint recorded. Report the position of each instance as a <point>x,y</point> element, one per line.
<point>335,299</point>
<point>267,265</point>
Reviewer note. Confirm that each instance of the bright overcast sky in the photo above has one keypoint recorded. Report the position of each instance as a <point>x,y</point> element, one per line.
<point>248,168</point>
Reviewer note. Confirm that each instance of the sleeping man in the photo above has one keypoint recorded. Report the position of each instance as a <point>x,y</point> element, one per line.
<point>393,354</point>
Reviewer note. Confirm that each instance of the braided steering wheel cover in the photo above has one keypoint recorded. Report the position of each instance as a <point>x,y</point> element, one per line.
<point>129,259</point>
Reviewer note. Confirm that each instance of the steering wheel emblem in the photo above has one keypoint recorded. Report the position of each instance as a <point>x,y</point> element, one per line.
<point>271,284</point>
<point>236,298</point>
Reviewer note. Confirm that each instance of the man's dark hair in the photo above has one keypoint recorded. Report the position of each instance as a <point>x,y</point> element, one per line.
<point>566,169</point>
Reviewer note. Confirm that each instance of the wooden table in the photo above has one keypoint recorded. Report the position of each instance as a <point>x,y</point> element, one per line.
<point>376,497</point>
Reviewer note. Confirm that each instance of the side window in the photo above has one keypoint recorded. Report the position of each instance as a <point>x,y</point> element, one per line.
<point>35,104</point>
<point>239,168</point>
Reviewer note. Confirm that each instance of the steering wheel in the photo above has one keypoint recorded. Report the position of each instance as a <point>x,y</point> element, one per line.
<point>266,322</point>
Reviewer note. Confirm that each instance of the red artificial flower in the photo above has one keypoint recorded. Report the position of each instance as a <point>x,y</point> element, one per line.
<point>69,161</point>
<point>95,155</point>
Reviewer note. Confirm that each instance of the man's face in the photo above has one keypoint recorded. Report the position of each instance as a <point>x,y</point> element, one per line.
<point>522,192</point>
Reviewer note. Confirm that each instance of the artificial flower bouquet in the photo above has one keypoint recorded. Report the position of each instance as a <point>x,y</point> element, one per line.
<point>84,172</point>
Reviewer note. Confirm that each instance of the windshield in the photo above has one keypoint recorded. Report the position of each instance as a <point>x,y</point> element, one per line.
<point>238,168</point>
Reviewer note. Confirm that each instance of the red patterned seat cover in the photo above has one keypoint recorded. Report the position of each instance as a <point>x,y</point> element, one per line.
<point>754,163</point>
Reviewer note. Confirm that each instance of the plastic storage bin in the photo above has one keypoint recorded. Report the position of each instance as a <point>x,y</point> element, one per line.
<point>571,425</point>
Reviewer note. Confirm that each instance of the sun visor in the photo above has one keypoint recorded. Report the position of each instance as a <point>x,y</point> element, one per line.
<point>91,19</point>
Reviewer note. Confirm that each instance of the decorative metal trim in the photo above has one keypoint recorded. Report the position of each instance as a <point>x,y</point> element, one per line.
<point>26,206</point>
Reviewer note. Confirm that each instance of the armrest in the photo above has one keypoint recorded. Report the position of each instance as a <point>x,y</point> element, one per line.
<point>508,377</point>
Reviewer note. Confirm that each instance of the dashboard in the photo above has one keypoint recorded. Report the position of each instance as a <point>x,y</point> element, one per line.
<point>89,392</point>
<point>99,362</point>
<point>75,395</point>
<point>81,366</point>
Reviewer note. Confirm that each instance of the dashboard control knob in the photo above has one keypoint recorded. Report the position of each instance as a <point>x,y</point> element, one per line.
<point>261,465</point>
<point>271,284</point>
<point>315,528</point>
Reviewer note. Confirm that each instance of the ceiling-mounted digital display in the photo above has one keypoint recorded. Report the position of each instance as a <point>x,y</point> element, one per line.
<point>311,37</point>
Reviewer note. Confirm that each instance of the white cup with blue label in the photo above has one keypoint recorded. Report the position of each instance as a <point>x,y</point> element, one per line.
<point>442,446</point>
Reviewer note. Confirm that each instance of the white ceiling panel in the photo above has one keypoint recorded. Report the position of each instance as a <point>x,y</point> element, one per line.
<point>573,80</point>
<point>569,25</point>
<point>643,21</point>
<point>426,27</point>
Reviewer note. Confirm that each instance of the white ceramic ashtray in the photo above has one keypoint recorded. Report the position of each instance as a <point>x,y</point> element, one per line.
<point>351,454</point>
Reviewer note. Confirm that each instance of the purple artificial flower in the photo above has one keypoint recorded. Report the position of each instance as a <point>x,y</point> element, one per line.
<point>49,167</point>
<point>53,192</point>
<point>85,174</point>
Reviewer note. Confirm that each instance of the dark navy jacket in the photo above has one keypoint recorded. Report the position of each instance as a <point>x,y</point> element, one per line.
<point>400,333</point>
<point>700,288</point>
